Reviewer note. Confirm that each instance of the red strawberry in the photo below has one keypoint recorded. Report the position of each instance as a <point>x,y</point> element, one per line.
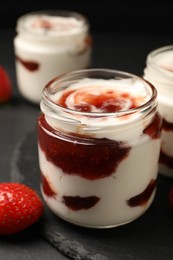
<point>5,86</point>
<point>170,197</point>
<point>20,207</point>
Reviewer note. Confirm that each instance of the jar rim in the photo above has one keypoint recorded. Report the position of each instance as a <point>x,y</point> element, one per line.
<point>59,79</point>
<point>21,23</point>
<point>154,53</point>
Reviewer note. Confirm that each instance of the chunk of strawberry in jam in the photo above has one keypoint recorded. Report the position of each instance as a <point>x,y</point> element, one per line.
<point>78,203</point>
<point>46,187</point>
<point>142,198</point>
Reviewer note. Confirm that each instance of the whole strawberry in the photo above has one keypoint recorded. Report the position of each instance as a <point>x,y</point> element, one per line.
<point>20,207</point>
<point>5,86</point>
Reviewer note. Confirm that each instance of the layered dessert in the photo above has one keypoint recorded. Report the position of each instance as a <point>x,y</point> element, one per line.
<point>47,45</point>
<point>99,153</point>
<point>159,71</point>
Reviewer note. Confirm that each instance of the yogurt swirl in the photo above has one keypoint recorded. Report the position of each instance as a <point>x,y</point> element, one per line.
<point>105,96</point>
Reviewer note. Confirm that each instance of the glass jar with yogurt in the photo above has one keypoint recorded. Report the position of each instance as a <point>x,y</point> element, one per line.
<point>99,142</point>
<point>47,44</point>
<point>159,71</point>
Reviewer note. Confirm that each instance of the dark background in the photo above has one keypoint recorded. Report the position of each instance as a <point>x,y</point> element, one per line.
<point>108,15</point>
<point>126,27</point>
<point>124,32</point>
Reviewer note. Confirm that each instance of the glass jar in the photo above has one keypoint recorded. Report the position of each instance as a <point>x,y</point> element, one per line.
<point>159,71</point>
<point>47,44</point>
<point>99,142</point>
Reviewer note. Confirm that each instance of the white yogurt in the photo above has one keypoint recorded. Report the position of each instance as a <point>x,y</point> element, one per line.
<point>159,71</point>
<point>48,44</point>
<point>100,170</point>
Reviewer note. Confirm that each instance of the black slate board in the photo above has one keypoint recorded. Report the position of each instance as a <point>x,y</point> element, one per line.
<point>149,237</point>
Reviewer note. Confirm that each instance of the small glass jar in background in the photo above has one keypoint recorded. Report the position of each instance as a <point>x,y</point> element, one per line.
<point>47,44</point>
<point>159,71</point>
<point>99,143</point>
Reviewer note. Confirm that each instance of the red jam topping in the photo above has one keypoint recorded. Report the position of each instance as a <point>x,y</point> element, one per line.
<point>106,101</point>
<point>43,23</point>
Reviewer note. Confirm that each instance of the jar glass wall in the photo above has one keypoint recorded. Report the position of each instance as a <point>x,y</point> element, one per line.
<point>159,71</point>
<point>99,142</point>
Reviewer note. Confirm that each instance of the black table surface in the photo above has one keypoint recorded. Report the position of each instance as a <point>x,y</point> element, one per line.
<point>115,50</point>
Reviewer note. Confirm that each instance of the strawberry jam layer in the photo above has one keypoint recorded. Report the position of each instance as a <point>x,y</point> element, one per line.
<point>88,157</point>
